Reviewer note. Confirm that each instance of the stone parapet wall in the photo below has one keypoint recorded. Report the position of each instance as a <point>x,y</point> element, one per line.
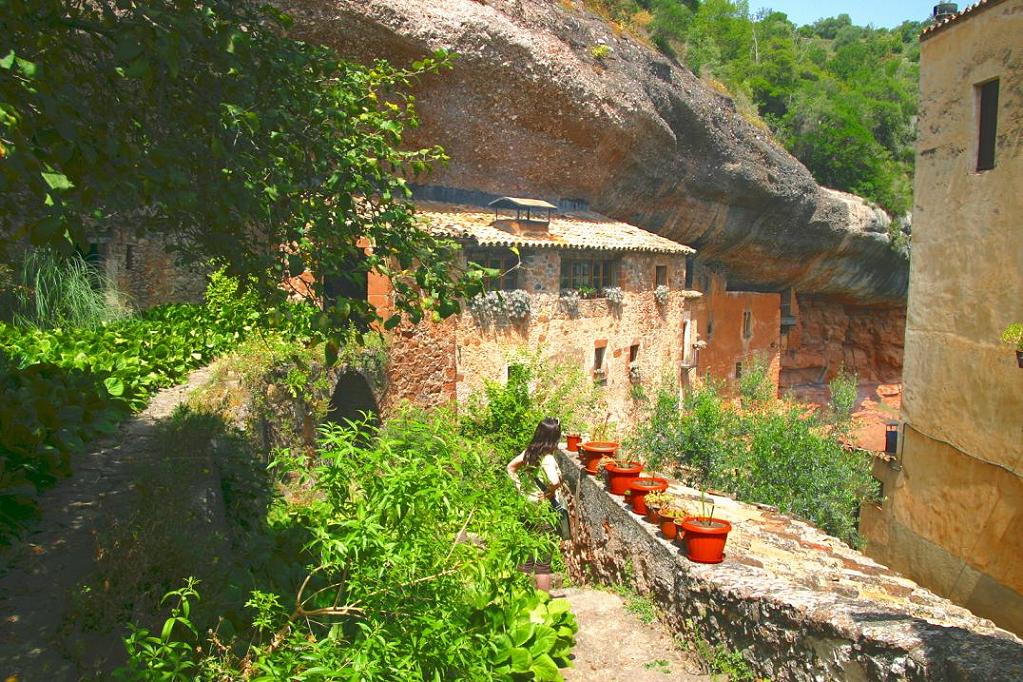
<point>797,603</point>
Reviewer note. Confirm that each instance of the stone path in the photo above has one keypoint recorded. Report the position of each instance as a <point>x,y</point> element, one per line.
<point>38,573</point>
<point>614,645</point>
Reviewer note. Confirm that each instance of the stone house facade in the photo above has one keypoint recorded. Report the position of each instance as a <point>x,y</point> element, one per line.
<point>623,345</point>
<point>953,503</point>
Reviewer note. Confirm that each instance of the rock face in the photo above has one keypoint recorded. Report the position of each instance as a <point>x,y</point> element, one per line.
<point>528,110</point>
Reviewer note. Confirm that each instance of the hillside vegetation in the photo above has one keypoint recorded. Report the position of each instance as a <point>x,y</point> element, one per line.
<point>841,98</point>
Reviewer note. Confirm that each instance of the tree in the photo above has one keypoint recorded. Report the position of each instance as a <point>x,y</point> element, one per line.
<point>204,121</point>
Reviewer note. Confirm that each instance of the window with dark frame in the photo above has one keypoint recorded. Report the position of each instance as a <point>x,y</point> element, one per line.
<point>747,324</point>
<point>987,96</point>
<point>738,370</point>
<point>504,263</point>
<point>661,276</point>
<point>690,267</point>
<point>592,272</point>
<point>598,358</point>
<point>633,353</point>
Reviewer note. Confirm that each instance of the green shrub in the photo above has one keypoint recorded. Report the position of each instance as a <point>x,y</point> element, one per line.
<point>61,388</point>
<point>755,384</point>
<point>775,454</point>
<point>844,390</point>
<point>414,538</point>
<point>505,415</point>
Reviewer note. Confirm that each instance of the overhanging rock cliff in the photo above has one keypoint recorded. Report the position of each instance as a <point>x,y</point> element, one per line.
<point>529,110</point>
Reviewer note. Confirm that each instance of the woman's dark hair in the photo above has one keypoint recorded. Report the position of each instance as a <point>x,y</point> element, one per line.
<point>545,440</point>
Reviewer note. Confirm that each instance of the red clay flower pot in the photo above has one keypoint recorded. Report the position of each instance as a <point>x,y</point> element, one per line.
<point>667,524</point>
<point>590,454</point>
<point>572,442</point>
<point>619,478</point>
<point>639,488</point>
<point>652,516</point>
<point>705,544</point>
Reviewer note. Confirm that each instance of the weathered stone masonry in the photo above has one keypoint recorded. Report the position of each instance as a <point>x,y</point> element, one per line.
<point>798,604</point>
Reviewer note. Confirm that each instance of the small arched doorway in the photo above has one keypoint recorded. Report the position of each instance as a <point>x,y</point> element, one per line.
<point>353,400</point>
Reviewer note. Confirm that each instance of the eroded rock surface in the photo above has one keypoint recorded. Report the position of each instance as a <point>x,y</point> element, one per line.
<point>528,110</point>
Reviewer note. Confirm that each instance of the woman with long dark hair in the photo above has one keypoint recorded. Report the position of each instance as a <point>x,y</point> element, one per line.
<point>537,463</point>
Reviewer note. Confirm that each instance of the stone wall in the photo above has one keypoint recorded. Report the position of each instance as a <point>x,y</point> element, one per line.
<point>142,267</point>
<point>831,334</point>
<point>572,337</point>
<point>797,604</point>
<point>954,510</point>
<point>421,367</point>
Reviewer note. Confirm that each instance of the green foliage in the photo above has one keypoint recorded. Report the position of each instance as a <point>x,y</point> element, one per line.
<point>51,291</point>
<point>755,384</point>
<point>206,122</point>
<point>844,390</point>
<point>61,388</point>
<point>775,454</point>
<point>600,52</point>
<point>505,415</point>
<point>164,657</point>
<point>414,536</point>
<point>841,98</point>
<point>1013,335</point>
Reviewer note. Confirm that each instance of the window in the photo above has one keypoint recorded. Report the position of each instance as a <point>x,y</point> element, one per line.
<point>987,96</point>
<point>747,324</point>
<point>505,264</point>
<point>661,276</point>
<point>633,353</point>
<point>710,326</point>
<point>738,370</point>
<point>598,358</point>
<point>589,272</point>
<point>690,267</point>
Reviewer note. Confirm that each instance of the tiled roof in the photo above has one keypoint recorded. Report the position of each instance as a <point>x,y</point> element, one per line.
<point>965,13</point>
<point>575,231</point>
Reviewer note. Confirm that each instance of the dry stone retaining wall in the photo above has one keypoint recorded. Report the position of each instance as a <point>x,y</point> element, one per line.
<point>799,604</point>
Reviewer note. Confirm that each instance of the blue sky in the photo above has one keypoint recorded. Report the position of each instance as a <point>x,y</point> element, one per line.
<point>880,13</point>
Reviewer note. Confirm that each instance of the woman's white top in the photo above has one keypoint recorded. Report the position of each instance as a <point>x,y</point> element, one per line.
<point>551,472</point>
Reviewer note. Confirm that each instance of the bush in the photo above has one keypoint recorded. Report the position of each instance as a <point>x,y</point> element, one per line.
<point>505,415</point>
<point>776,454</point>
<point>755,384</point>
<point>415,536</point>
<point>844,396</point>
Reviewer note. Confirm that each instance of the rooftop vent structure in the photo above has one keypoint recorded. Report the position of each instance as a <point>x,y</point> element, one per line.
<point>944,10</point>
<point>531,215</point>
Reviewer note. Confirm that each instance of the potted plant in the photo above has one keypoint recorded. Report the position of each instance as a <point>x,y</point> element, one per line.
<point>654,502</point>
<point>620,473</point>
<point>705,536</point>
<point>572,441</point>
<point>1013,335</point>
<point>668,517</point>
<point>591,453</point>
<point>640,487</point>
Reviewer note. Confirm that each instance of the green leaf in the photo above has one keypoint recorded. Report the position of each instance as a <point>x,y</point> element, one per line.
<point>56,180</point>
<point>545,669</point>
<point>115,386</point>
<point>544,640</point>
<point>521,634</point>
<point>7,61</point>
<point>521,660</point>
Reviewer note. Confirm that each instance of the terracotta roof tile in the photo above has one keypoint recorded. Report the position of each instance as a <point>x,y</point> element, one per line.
<point>965,13</point>
<point>576,231</point>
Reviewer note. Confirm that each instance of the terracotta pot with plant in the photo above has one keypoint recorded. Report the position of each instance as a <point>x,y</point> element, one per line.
<point>592,453</point>
<point>640,487</point>
<point>654,502</point>
<point>1013,336</point>
<point>572,441</point>
<point>668,517</point>
<point>620,473</point>
<point>705,536</point>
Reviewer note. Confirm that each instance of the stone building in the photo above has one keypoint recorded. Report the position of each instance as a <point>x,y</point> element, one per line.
<point>582,290</point>
<point>953,504</point>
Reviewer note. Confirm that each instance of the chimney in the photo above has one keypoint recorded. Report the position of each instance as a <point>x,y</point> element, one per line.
<point>944,10</point>
<point>531,215</point>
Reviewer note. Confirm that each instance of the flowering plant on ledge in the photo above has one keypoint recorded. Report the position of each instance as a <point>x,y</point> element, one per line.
<point>488,306</point>
<point>614,295</point>
<point>661,294</point>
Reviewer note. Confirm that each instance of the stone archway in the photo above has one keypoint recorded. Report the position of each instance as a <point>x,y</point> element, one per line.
<point>352,400</point>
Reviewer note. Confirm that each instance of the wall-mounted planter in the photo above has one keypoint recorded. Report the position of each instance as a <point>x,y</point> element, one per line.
<point>591,452</point>
<point>705,538</point>
<point>620,477</point>
<point>641,487</point>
